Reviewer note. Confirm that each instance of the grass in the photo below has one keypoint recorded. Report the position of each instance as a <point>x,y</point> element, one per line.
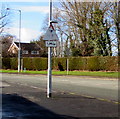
<point>74,73</point>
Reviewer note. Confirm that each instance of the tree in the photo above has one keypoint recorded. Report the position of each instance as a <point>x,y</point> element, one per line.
<point>115,16</point>
<point>5,42</point>
<point>87,26</point>
<point>4,18</point>
<point>42,45</point>
<point>99,30</point>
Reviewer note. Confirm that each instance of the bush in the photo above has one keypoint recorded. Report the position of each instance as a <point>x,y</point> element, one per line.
<point>0,63</point>
<point>56,61</point>
<point>83,63</point>
<point>111,63</point>
<point>93,63</point>
<point>6,63</point>
<point>28,63</point>
<point>75,63</point>
<point>40,63</point>
<point>14,63</point>
<point>118,64</point>
<point>102,63</point>
<point>35,63</point>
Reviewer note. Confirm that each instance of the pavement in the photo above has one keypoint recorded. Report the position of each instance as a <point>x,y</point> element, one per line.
<point>23,102</point>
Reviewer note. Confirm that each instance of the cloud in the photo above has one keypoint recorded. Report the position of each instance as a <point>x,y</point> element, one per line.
<point>43,9</point>
<point>23,0</point>
<point>58,0</point>
<point>28,0</point>
<point>27,35</point>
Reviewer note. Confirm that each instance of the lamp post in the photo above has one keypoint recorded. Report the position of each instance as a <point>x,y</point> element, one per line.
<point>19,49</point>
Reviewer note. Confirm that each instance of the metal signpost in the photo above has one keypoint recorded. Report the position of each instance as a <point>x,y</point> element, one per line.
<point>51,41</point>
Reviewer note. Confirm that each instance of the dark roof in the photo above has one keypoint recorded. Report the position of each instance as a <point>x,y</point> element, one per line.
<point>28,46</point>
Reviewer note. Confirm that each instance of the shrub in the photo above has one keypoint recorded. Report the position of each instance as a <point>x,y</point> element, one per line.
<point>14,63</point>
<point>93,63</point>
<point>83,63</point>
<point>111,63</point>
<point>56,61</point>
<point>28,63</point>
<point>74,63</point>
<point>119,63</point>
<point>6,63</point>
<point>40,63</point>
<point>102,63</point>
<point>0,63</point>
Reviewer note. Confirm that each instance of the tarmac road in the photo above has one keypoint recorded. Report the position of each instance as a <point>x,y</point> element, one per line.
<point>24,97</point>
<point>104,88</point>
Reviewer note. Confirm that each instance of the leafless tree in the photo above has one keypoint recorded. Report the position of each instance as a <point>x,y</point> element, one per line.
<point>5,43</point>
<point>86,26</point>
<point>4,18</point>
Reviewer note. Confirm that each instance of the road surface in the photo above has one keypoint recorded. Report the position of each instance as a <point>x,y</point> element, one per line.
<point>104,88</point>
<point>74,97</point>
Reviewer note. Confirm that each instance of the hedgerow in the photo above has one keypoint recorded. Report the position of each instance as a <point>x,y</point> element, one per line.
<point>95,63</point>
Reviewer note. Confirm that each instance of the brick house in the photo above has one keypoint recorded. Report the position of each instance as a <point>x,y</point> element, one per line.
<point>27,49</point>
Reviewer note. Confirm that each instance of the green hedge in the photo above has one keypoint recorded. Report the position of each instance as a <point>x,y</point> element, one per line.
<point>6,63</point>
<point>28,63</point>
<point>35,63</point>
<point>78,63</point>
<point>14,63</point>
<point>62,61</point>
<point>111,63</point>
<point>94,63</point>
<point>40,63</point>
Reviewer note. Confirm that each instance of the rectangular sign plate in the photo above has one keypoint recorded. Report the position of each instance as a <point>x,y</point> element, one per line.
<point>51,43</point>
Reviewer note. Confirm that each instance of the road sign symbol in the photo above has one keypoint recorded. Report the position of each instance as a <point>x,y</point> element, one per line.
<point>51,43</point>
<point>50,34</point>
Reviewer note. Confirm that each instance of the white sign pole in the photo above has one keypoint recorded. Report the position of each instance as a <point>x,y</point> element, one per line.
<point>49,80</point>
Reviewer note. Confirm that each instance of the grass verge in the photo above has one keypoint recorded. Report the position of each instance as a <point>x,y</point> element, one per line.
<point>74,73</point>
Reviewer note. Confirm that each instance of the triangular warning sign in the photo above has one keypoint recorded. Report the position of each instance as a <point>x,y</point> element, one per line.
<point>50,34</point>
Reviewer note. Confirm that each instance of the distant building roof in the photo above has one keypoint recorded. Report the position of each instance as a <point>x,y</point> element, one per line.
<point>28,46</point>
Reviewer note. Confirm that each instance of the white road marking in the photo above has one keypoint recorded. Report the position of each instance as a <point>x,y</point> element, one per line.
<point>3,84</point>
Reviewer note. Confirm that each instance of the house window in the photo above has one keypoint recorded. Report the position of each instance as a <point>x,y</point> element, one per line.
<point>24,52</point>
<point>35,52</point>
